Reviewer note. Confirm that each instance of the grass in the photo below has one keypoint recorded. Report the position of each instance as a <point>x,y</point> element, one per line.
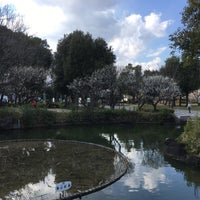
<point>191,136</point>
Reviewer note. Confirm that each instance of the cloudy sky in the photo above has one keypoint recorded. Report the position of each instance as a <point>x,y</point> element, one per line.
<point>137,30</point>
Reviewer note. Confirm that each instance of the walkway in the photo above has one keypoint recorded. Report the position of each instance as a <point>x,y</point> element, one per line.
<point>184,114</point>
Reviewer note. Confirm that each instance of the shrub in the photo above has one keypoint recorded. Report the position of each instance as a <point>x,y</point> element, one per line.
<point>191,136</point>
<point>15,113</point>
<point>34,117</point>
<point>119,116</point>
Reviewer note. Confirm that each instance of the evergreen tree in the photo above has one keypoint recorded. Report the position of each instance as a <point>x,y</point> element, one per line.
<point>79,55</point>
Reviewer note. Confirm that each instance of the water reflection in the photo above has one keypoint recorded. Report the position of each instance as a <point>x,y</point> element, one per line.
<point>190,174</point>
<point>151,169</point>
<point>148,172</point>
<point>151,177</point>
<point>31,169</point>
<point>44,189</point>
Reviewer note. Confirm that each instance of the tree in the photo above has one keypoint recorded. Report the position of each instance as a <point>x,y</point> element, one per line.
<point>187,41</point>
<point>188,78</point>
<point>151,73</point>
<point>105,86</point>
<point>78,55</point>
<point>195,3</point>
<point>156,89</point>
<point>10,19</point>
<point>170,69</point>
<point>25,83</point>
<point>17,49</point>
<point>81,88</point>
<point>129,81</point>
<point>100,86</point>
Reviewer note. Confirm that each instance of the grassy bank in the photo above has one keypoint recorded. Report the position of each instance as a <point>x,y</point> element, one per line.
<point>41,117</point>
<point>191,136</point>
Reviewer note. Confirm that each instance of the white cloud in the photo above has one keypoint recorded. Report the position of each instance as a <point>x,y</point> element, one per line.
<point>128,42</point>
<point>151,65</point>
<point>153,178</point>
<point>153,24</point>
<point>135,37</point>
<point>154,53</point>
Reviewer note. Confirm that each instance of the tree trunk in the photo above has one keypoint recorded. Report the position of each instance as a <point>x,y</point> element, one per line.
<point>187,98</point>
<point>154,107</point>
<point>180,100</point>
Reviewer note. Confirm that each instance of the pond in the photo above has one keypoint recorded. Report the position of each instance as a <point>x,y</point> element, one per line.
<point>151,176</point>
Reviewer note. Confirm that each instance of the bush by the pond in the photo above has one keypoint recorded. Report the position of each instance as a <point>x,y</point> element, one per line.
<point>191,136</point>
<point>119,116</point>
<point>34,117</point>
<point>38,117</point>
<point>10,112</point>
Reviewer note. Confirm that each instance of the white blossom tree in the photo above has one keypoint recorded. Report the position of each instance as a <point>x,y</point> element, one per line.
<point>157,88</point>
<point>80,88</point>
<point>26,83</point>
<point>100,86</point>
<point>129,81</point>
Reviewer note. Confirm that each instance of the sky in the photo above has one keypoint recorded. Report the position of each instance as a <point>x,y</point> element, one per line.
<point>137,30</point>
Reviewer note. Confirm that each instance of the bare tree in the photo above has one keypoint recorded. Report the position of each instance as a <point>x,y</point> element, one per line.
<point>10,19</point>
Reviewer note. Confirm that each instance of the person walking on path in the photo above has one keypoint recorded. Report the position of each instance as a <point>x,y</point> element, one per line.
<point>189,107</point>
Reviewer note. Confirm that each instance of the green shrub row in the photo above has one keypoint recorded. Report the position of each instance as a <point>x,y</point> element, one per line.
<point>118,116</point>
<point>38,117</point>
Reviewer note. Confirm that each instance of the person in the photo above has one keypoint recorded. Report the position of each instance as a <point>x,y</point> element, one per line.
<point>34,103</point>
<point>189,107</point>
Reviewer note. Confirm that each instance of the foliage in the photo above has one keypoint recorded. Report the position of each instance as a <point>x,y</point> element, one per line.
<point>129,81</point>
<point>13,112</point>
<point>107,116</point>
<point>157,88</point>
<point>40,117</point>
<point>25,83</point>
<point>100,86</point>
<point>79,55</point>
<point>171,67</point>
<point>37,117</point>
<point>195,3</point>
<point>19,51</point>
<point>104,85</point>
<point>191,136</point>
<point>187,41</point>
<point>188,78</point>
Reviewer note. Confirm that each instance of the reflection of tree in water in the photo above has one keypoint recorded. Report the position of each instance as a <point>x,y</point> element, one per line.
<point>148,140</point>
<point>153,158</point>
<point>152,155</point>
<point>191,174</point>
<point>84,165</point>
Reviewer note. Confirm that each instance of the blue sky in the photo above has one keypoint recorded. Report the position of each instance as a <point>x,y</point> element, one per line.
<point>137,30</point>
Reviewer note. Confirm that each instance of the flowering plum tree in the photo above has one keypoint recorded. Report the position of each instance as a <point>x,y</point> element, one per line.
<point>100,86</point>
<point>25,82</point>
<point>157,88</point>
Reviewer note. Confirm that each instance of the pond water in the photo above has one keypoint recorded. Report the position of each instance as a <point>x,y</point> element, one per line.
<point>151,176</point>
